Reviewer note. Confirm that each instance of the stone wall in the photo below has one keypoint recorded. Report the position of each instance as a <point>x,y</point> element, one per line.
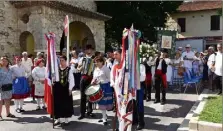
<point>41,20</point>
<point>54,22</point>
<point>8,29</point>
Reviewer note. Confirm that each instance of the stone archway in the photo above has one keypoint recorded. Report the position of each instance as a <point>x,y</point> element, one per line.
<point>80,35</point>
<point>27,42</point>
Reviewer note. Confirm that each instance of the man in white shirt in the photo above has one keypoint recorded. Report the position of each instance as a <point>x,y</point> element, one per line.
<point>210,63</point>
<point>27,64</point>
<point>218,69</point>
<point>188,57</point>
<point>160,77</point>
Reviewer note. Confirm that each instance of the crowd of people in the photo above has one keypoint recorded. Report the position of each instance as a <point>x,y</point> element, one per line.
<point>26,78</point>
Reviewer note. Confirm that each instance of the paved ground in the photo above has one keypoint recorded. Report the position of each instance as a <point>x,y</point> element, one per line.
<point>157,117</point>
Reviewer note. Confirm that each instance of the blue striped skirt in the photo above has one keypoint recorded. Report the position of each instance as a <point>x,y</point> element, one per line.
<point>106,103</point>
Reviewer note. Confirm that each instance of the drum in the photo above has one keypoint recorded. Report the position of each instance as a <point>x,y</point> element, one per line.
<point>94,93</point>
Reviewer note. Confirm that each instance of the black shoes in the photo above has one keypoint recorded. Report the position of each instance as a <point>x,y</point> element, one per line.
<point>163,102</point>
<point>81,117</point>
<point>139,127</point>
<point>90,114</point>
<point>156,101</point>
<point>37,108</point>
<point>148,99</point>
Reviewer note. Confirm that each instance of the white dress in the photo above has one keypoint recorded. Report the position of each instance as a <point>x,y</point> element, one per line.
<point>38,74</point>
<point>169,70</point>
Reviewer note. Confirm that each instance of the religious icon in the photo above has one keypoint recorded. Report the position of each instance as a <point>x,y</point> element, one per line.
<point>166,42</point>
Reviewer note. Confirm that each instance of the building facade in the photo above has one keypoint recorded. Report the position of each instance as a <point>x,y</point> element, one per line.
<point>198,20</point>
<point>24,24</point>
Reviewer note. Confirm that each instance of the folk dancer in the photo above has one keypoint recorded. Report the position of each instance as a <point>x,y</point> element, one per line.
<point>160,75</point>
<point>62,92</point>
<point>77,75</point>
<point>148,87</point>
<point>5,87</point>
<point>39,56</point>
<point>20,85</point>
<point>86,66</point>
<point>117,57</point>
<point>38,74</point>
<point>139,115</point>
<point>102,76</point>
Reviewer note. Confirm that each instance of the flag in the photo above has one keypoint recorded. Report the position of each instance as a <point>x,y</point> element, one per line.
<point>52,74</point>
<point>127,80</point>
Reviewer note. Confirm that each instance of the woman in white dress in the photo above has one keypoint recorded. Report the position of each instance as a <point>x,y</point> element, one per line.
<point>102,76</point>
<point>38,75</point>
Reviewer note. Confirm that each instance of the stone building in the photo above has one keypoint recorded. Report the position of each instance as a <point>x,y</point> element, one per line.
<point>24,24</point>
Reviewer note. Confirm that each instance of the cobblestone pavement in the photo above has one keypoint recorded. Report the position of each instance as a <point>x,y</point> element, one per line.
<point>158,117</point>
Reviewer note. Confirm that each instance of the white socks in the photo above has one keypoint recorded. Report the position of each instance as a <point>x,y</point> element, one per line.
<point>16,104</point>
<point>104,115</point>
<point>66,120</point>
<point>62,120</point>
<point>19,103</point>
<point>40,101</point>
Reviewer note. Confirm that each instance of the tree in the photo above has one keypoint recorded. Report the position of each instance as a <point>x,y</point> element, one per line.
<point>220,11</point>
<point>145,15</point>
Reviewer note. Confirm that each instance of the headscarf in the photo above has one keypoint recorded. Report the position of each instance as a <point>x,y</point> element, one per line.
<point>39,61</point>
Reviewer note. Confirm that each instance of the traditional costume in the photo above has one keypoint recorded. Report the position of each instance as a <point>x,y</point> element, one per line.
<point>102,76</point>
<point>160,79</point>
<point>20,86</point>
<point>148,67</point>
<point>87,66</point>
<point>63,101</point>
<point>38,75</point>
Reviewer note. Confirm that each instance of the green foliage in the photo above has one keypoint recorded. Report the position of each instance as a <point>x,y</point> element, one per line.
<point>145,15</point>
<point>220,11</point>
<point>212,111</point>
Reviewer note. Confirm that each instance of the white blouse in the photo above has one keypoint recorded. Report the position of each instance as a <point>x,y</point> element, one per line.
<point>101,75</point>
<point>38,73</point>
<point>18,71</point>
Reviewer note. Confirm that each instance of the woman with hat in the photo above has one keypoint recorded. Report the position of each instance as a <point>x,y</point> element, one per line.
<point>20,85</point>
<point>38,74</point>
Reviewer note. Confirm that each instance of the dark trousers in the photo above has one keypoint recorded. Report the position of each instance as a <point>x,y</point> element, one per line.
<point>159,86</point>
<point>217,80</point>
<point>138,111</point>
<point>148,86</point>
<point>84,83</point>
<point>77,79</point>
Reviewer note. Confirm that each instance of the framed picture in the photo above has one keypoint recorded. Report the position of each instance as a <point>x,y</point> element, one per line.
<point>166,42</point>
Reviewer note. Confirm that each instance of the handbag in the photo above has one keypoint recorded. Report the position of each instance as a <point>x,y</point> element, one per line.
<point>7,87</point>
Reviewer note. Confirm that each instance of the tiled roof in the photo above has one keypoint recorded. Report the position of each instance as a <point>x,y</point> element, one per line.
<point>200,5</point>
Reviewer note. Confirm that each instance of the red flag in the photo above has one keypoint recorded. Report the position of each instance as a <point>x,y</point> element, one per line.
<point>48,85</point>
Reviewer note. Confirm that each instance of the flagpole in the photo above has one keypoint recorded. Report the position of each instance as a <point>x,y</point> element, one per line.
<point>68,43</point>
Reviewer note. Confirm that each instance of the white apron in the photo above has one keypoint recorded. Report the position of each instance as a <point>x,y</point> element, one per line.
<point>39,89</point>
